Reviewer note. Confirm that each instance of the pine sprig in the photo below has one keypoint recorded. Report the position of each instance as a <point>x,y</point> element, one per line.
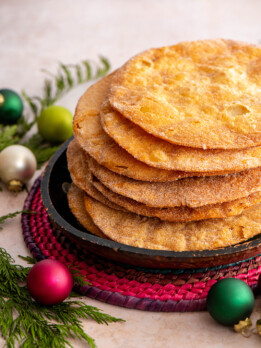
<point>8,136</point>
<point>40,148</point>
<point>12,215</point>
<point>66,78</point>
<point>78,278</point>
<point>24,321</point>
<point>30,260</point>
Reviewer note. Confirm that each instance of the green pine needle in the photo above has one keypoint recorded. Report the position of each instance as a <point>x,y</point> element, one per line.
<point>30,324</point>
<point>28,259</point>
<point>78,278</point>
<point>66,78</point>
<point>12,215</point>
<point>8,136</point>
<point>42,149</point>
<point>101,71</point>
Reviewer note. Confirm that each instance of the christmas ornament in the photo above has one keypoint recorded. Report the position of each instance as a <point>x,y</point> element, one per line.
<point>55,124</point>
<point>230,300</point>
<point>17,166</point>
<point>49,282</point>
<point>11,106</point>
<point>26,324</point>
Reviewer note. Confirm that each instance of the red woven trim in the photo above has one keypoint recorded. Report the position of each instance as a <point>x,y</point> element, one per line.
<point>113,280</point>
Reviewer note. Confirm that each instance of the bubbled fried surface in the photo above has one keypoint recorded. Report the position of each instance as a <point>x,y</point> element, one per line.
<point>81,176</point>
<point>152,233</point>
<point>192,192</point>
<point>180,214</point>
<point>75,198</point>
<point>91,137</point>
<point>84,179</point>
<point>203,94</point>
<point>162,154</point>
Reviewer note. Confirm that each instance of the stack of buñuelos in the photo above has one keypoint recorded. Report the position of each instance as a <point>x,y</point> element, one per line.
<point>167,149</point>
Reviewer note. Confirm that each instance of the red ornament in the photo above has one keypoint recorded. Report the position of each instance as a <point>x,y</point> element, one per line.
<point>49,282</point>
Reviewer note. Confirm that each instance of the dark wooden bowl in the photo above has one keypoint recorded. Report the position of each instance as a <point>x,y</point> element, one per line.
<point>55,202</point>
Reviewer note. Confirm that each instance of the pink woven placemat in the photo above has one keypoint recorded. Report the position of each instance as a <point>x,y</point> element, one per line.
<point>123,285</point>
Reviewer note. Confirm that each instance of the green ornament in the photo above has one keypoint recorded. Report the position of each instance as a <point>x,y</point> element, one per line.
<point>55,124</point>
<point>230,300</point>
<point>11,106</point>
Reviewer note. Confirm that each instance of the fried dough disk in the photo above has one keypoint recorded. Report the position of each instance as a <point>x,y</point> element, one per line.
<point>84,179</point>
<point>75,198</point>
<point>202,94</point>
<point>92,138</point>
<point>80,175</point>
<point>162,154</point>
<point>152,233</point>
<point>180,214</point>
<point>192,192</point>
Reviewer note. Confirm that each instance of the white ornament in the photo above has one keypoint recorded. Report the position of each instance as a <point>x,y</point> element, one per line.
<point>17,166</point>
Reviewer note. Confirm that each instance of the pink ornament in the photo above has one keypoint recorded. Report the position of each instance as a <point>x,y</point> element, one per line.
<point>49,282</point>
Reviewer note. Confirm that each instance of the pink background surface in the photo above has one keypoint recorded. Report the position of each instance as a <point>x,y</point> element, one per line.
<point>36,34</point>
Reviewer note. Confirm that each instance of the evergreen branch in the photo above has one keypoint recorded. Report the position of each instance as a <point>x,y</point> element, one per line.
<point>28,259</point>
<point>12,215</point>
<point>31,103</point>
<point>30,324</point>
<point>78,278</point>
<point>24,126</point>
<point>88,70</point>
<point>71,75</point>
<point>8,136</point>
<point>47,93</point>
<point>67,77</point>
<point>79,74</point>
<point>12,134</point>
<point>60,83</point>
<point>89,312</point>
<point>102,71</point>
<point>40,148</point>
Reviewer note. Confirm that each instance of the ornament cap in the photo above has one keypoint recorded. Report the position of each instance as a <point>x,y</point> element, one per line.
<point>243,327</point>
<point>258,326</point>
<point>15,185</point>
